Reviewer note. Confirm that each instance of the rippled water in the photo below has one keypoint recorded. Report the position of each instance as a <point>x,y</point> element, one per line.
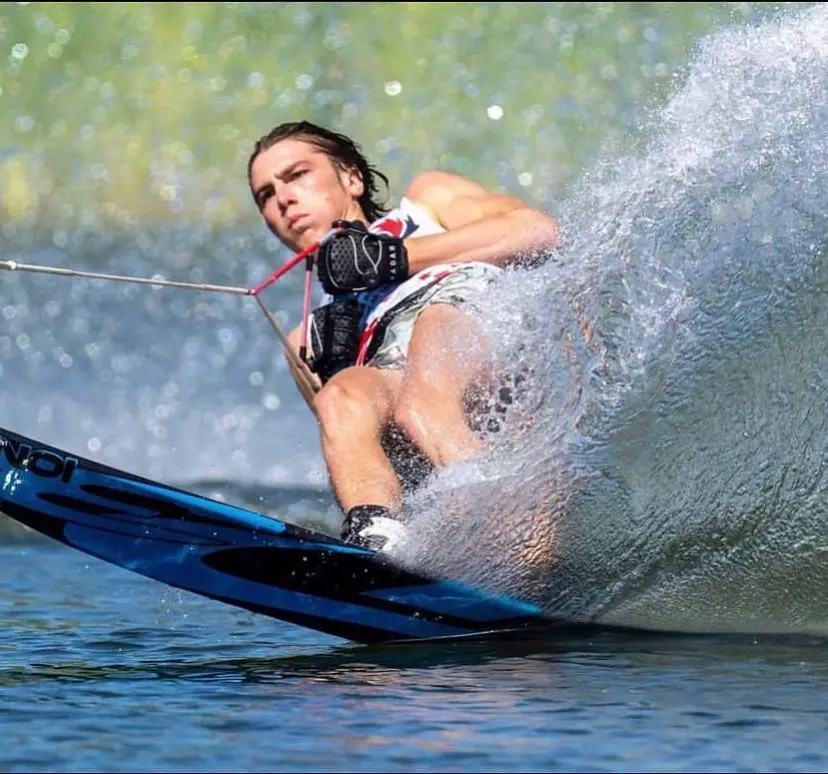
<point>102,670</point>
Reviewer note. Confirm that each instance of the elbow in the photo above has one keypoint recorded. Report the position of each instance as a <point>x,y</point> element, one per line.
<point>544,230</point>
<point>540,236</point>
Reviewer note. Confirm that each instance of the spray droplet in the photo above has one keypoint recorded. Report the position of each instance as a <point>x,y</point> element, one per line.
<point>304,82</point>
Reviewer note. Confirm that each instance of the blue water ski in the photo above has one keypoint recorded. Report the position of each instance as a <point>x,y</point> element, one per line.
<point>238,556</point>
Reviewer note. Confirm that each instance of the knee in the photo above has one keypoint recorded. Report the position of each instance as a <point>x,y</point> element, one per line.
<point>342,409</point>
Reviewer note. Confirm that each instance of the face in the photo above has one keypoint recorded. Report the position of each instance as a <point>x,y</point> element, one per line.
<point>300,192</point>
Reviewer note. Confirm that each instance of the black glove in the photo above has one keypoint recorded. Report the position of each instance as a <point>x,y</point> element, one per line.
<point>356,260</point>
<point>334,337</point>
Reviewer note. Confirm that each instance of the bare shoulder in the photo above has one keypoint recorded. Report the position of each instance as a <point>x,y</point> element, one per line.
<point>453,199</point>
<point>436,188</point>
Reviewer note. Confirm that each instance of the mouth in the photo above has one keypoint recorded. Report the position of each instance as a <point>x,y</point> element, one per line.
<point>294,220</point>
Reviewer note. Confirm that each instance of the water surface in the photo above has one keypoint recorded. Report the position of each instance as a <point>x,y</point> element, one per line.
<point>103,670</point>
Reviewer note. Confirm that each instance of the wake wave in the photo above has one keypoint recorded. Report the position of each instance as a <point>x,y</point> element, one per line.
<point>668,466</point>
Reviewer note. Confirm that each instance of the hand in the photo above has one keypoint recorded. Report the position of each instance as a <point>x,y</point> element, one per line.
<point>334,337</point>
<point>356,259</point>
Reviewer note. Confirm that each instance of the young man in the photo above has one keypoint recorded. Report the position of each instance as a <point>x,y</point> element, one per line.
<point>396,343</point>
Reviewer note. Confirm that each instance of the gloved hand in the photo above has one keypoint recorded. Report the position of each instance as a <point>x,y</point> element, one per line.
<point>356,260</point>
<point>334,337</point>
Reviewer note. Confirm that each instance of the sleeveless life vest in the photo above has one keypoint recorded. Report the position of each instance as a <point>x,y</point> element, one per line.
<point>406,220</point>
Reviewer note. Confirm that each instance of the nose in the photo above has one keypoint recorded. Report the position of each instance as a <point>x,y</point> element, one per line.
<point>284,195</point>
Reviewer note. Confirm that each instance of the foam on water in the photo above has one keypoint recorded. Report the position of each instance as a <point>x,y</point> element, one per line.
<point>669,466</point>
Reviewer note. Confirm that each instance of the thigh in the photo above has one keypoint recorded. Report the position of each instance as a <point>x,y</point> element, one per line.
<point>459,287</point>
<point>446,352</point>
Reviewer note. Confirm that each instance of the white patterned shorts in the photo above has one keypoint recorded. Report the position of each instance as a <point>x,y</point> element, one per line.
<point>390,326</point>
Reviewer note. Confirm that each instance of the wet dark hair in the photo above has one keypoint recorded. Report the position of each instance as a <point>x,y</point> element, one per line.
<point>340,149</point>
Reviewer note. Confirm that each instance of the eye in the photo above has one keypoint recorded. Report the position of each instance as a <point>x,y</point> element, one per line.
<point>264,197</point>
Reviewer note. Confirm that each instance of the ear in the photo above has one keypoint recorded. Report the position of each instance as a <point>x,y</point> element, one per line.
<point>353,182</point>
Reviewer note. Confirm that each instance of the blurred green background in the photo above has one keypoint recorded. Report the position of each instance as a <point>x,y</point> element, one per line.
<point>120,113</point>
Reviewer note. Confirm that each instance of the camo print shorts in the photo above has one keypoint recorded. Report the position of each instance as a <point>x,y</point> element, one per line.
<point>390,327</point>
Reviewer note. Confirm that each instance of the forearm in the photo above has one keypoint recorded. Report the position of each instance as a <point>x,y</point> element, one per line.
<point>501,240</point>
<point>306,380</point>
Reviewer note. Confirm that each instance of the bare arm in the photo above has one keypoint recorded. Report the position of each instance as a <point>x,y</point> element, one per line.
<point>306,380</point>
<point>480,225</point>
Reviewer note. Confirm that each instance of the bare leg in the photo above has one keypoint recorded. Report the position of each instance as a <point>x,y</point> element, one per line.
<point>353,409</point>
<point>445,354</point>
